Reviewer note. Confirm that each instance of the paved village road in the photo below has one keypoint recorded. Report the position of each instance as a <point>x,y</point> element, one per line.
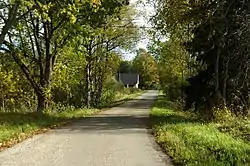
<point>117,137</point>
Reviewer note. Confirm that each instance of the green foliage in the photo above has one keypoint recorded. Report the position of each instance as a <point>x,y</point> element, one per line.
<point>111,89</point>
<point>209,32</point>
<point>146,66</point>
<point>14,92</point>
<point>126,67</point>
<point>237,127</point>
<point>190,141</point>
<point>222,115</point>
<point>8,88</point>
<point>114,91</point>
<point>172,66</point>
<point>173,89</point>
<point>51,41</point>
<point>55,46</point>
<point>67,83</point>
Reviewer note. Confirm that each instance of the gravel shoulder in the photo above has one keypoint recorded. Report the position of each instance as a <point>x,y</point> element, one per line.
<point>116,137</point>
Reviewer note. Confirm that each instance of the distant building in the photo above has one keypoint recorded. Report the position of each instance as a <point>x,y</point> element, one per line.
<point>129,79</point>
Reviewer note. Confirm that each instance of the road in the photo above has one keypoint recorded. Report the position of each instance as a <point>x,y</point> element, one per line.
<point>116,137</point>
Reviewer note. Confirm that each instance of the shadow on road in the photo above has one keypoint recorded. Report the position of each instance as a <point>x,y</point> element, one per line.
<point>124,124</point>
<point>131,117</point>
<point>137,104</point>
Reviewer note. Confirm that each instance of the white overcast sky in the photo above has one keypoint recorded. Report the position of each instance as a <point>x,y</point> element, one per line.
<point>144,11</point>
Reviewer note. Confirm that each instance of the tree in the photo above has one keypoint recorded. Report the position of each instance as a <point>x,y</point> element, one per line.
<point>212,32</point>
<point>42,33</point>
<point>173,68</point>
<point>15,90</point>
<point>126,67</point>
<point>39,37</point>
<point>146,66</point>
<point>11,13</point>
<point>117,32</point>
<point>173,22</point>
<point>221,51</point>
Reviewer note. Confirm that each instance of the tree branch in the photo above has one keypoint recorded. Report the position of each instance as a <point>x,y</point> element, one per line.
<point>23,67</point>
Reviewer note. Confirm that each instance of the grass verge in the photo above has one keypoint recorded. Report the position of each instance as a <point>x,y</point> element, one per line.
<point>190,141</point>
<point>16,127</point>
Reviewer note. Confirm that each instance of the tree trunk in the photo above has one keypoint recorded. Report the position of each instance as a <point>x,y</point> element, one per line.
<point>217,93</point>
<point>99,92</point>
<point>3,105</point>
<point>41,106</point>
<point>31,79</point>
<point>224,93</point>
<point>87,88</point>
<point>11,20</point>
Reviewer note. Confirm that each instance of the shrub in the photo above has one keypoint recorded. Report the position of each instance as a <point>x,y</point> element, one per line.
<point>222,115</point>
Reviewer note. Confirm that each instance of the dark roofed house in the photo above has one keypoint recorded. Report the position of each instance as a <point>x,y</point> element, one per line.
<point>129,79</point>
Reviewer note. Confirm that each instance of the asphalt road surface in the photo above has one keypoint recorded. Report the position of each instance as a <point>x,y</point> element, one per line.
<point>117,137</point>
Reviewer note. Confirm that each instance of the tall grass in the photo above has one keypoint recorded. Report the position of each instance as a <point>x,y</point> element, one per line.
<point>191,141</point>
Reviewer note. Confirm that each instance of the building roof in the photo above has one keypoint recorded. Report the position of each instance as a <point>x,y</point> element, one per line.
<point>129,79</point>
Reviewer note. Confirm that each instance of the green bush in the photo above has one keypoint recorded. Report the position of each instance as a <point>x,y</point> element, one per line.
<point>222,115</point>
<point>110,90</point>
<point>173,89</point>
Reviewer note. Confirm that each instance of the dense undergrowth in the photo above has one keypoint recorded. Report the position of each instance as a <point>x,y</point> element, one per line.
<point>17,126</point>
<point>191,141</point>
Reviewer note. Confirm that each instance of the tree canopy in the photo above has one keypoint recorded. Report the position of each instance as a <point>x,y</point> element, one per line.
<point>64,50</point>
<point>146,67</point>
<point>211,38</point>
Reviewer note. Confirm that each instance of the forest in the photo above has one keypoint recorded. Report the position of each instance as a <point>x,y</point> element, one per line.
<point>62,52</point>
<point>203,116</point>
<point>206,53</point>
<point>59,60</point>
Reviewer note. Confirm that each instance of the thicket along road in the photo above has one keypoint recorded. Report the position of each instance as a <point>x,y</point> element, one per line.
<point>117,137</point>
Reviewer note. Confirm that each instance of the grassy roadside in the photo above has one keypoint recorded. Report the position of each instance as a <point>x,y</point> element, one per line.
<point>16,127</point>
<point>190,141</point>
